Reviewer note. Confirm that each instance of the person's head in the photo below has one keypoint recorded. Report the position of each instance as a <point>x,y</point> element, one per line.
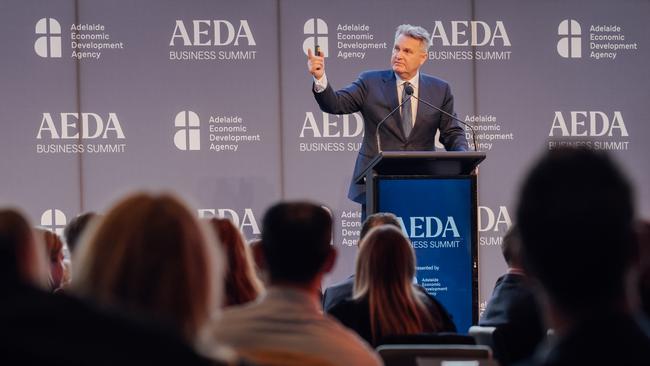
<point>54,251</point>
<point>575,217</point>
<point>22,256</point>
<point>241,283</point>
<point>511,248</point>
<point>75,228</point>
<point>149,254</point>
<point>296,243</point>
<point>378,219</point>
<point>394,308</point>
<point>410,50</point>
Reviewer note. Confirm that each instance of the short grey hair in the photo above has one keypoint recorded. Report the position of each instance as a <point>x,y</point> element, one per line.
<point>416,32</point>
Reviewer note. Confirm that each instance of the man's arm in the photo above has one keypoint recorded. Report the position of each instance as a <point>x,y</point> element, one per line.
<point>452,134</point>
<point>344,101</point>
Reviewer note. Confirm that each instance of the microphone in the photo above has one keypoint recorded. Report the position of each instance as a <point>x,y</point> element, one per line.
<point>409,91</point>
<point>410,88</point>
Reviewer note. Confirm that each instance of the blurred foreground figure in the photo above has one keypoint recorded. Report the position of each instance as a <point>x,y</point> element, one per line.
<point>39,328</point>
<point>513,308</point>
<point>576,218</point>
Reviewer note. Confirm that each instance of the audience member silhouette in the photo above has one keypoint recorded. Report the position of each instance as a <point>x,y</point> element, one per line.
<point>343,290</point>
<point>644,266</point>
<point>150,255</point>
<point>576,218</point>
<point>286,322</point>
<point>59,272</point>
<point>38,328</point>
<point>75,228</point>
<point>513,308</point>
<point>241,282</point>
<point>385,301</point>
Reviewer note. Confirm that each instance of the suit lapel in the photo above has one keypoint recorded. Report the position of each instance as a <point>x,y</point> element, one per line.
<point>389,89</point>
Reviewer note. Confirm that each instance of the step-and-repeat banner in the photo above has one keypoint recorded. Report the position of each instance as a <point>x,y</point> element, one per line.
<point>212,100</point>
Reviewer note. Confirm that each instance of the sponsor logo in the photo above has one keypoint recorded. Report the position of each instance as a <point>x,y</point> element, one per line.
<point>188,136</point>
<point>353,41</point>
<point>604,42</point>
<point>492,223</point>
<point>245,220</point>
<point>225,133</point>
<point>470,40</point>
<point>54,220</point>
<point>316,31</point>
<point>431,232</point>
<point>494,220</point>
<point>69,133</point>
<point>330,132</point>
<point>593,129</point>
<point>49,42</point>
<point>570,43</point>
<point>87,41</point>
<point>350,227</point>
<point>489,132</point>
<point>212,40</point>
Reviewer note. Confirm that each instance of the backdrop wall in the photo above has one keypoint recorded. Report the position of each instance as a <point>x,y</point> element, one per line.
<point>212,100</point>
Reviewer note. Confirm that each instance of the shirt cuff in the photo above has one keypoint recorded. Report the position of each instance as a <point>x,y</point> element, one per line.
<point>320,85</point>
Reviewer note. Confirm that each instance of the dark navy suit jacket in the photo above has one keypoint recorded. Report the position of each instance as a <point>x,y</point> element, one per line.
<point>337,293</point>
<point>513,309</point>
<point>374,95</point>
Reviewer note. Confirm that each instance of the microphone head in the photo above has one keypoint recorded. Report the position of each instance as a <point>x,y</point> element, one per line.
<point>408,89</point>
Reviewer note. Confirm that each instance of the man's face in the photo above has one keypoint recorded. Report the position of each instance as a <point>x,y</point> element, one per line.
<point>407,57</point>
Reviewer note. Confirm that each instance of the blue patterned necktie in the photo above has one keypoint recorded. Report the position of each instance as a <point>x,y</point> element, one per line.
<point>407,116</point>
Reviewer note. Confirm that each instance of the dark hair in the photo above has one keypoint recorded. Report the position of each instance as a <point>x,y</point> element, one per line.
<point>75,228</point>
<point>575,216</point>
<point>511,247</point>
<point>377,219</point>
<point>15,237</point>
<point>241,282</point>
<point>296,241</point>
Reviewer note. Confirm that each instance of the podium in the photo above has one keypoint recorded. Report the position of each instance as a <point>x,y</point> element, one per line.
<point>434,195</point>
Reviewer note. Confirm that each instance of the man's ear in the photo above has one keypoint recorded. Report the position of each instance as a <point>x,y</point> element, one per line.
<point>330,261</point>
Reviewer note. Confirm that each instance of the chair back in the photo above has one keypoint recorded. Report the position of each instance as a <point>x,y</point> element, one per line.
<point>483,335</point>
<point>435,355</point>
<point>429,338</point>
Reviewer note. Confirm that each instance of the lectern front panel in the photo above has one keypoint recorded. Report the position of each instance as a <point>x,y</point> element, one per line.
<point>437,214</point>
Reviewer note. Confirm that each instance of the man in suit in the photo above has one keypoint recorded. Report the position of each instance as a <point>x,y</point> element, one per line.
<point>376,93</point>
<point>576,218</point>
<point>513,309</point>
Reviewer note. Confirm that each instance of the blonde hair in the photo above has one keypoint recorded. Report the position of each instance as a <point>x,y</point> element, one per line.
<point>384,273</point>
<point>150,254</point>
